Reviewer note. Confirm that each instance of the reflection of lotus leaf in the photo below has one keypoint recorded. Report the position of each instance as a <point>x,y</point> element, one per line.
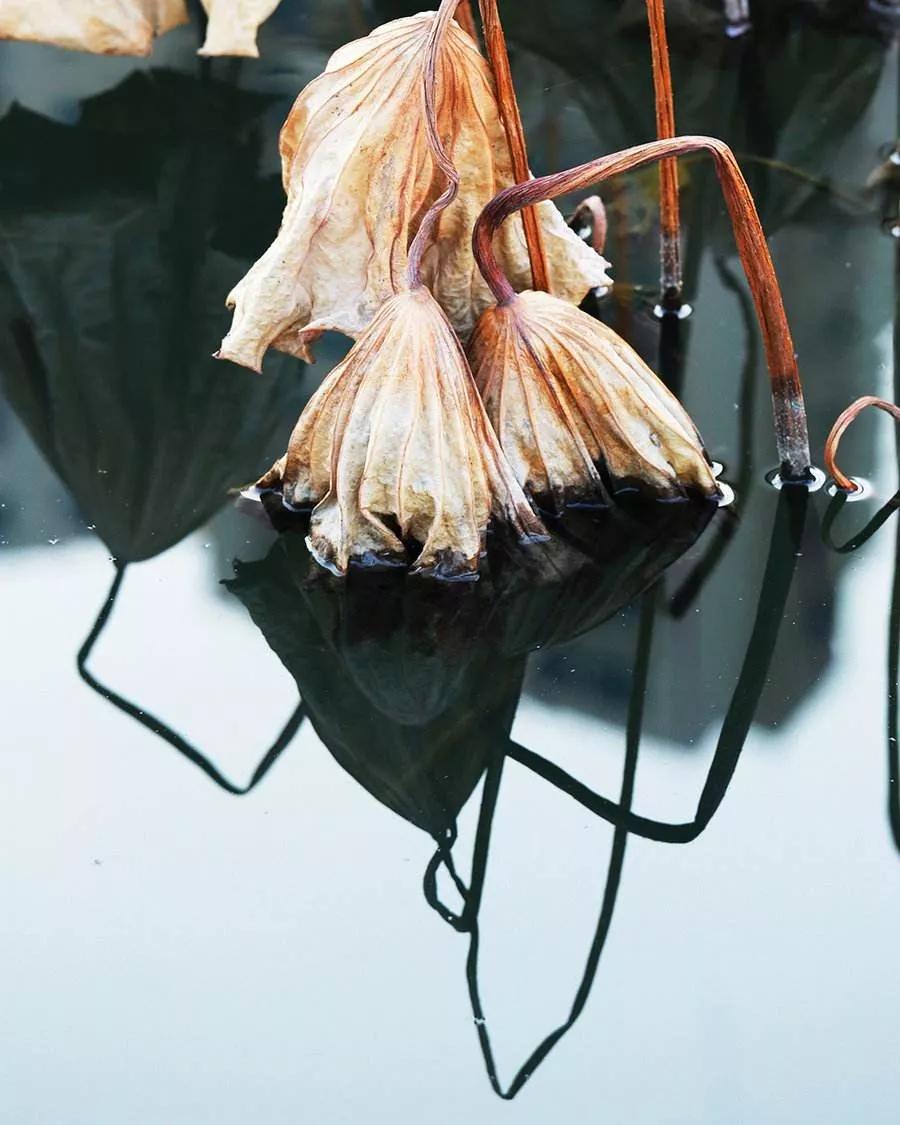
<point>607,558</point>
<point>396,680</point>
<point>412,682</point>
<point>111,288</point>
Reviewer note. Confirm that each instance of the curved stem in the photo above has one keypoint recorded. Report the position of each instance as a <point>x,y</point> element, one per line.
<point>163,730</point>
<point>837,432</point>
<point>787,393</point>
<point>834,509</point>
<point>495,44</point>
<point>443,161</point>
<point>784,551</point>
<point>670,226</point>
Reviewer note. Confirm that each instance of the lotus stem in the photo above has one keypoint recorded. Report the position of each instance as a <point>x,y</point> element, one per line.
<point>495,44</point>
<point>791,433</point>
<point>670,278</point>
<point>466,19</point>
<point>429,83</point>
<point>840,426</point>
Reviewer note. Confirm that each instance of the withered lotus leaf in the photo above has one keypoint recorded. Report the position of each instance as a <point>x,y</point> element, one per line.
<point>104,27</point>
<point>577,410</point>
<point>395,449</point>
<point>233,24</point>
<point>359,175</point>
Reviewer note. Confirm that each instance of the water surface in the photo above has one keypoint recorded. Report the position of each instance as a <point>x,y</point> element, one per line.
<point>672,806</point>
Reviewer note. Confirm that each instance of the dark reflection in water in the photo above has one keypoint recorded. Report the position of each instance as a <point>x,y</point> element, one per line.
<point>111,290</point>
<point>745,645</point>
<point>413,687</point>
<point>412,683</point>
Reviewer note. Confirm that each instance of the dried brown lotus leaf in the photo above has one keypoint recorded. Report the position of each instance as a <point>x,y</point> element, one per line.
<point>359,175</point>
<point>233,25</point>
<point>571,402</point>
<point>104,27</point>
<point>395,449</point>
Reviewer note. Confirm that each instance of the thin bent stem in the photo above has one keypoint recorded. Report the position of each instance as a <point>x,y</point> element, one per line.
<point>837,432</point>
<point>670,225</point>
<point>684,596</point>
<point>791,433</point>
<point>784,551</point>
<point>163,730</point>
<point>495,43</point>
<point>443,161</point>
<point>834,509</point>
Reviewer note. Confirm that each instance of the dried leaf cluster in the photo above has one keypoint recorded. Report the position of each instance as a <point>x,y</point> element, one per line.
<point>359,174</point>
<point>389,158</point>
<point>233,25</point>
<point>569,399</point>
<point>105,27</point>
<point>128,27</point>
<point>395,447</point>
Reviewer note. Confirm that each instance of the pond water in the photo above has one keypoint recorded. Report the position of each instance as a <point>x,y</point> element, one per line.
<point>280,849</point>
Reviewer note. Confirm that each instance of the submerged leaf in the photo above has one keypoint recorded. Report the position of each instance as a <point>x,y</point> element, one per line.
<point>107,27</point>
<point>233,25</point>
<point>359,175</point>
<point>577,410</point>
<point>394,448</point>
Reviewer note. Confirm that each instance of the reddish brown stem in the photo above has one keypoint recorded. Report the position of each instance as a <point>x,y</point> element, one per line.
<point>787,394</point>
<point>495,44</point>
<point>669,222</point>
<point>429,85</point>
<point>837,432</point>
<point>466,19</point>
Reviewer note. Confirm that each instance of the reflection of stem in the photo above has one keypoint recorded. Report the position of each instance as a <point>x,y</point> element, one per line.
<point>610,890</point>
<point>495,44</point>
<point>787,394</point>
<point>881,516</point>
<point>670,229</point>
<point>893,662</point>
<point>784,550</point>
<point>877,521</point>
<point>893,671</point>
<point>726,523</point>
<point>818,182</point>
<point>165,732</point>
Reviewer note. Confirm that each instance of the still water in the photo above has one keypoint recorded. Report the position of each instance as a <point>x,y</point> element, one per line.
<point>276,849</point>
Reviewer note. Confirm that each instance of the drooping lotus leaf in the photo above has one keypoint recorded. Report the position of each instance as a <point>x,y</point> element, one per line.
<point>577,411</point>
<point>110,283</point>
<point>359,175</point>
<point>394,672</point>
<point>233,24</point>
<point>396,453</point>
<point>104,27</point>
